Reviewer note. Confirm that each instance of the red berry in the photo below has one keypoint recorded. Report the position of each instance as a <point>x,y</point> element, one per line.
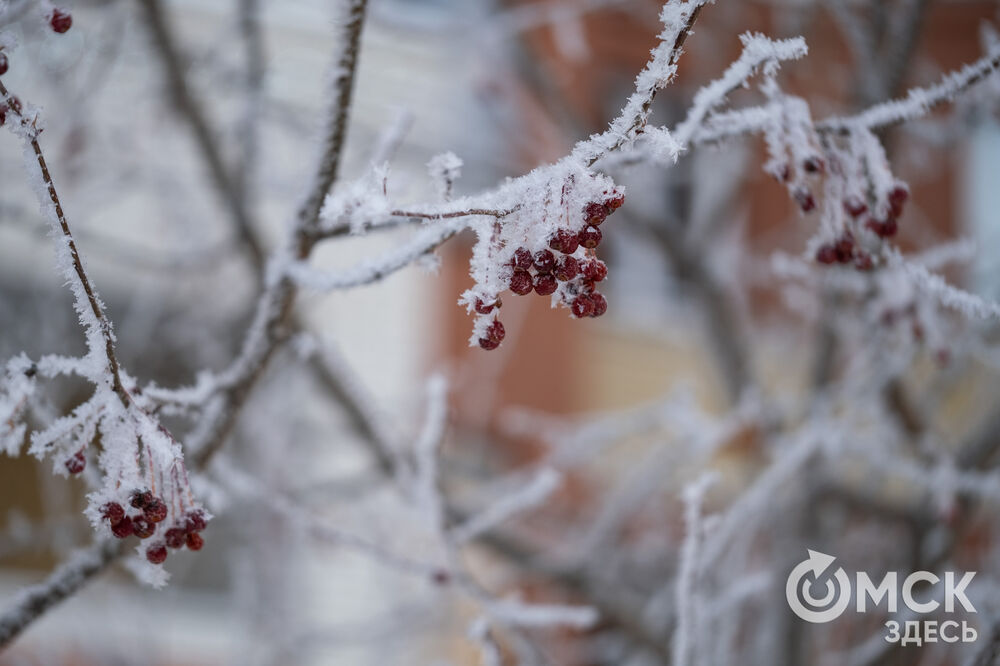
<point>812,164</point>
<point>564,241</point>
<point>77,463</point>
<point>195,520</point>
<point>826,254</point>
<point>600,304</point>
<point>864,262</point>
<point>194,541</point>
<point>594,213</point>
<point>122,528</point>
<point>113,512</point>
<point>483,308</point>
<point>883,229</point>
<point>614,202</point>
<point>4,63</point>
<point>60,20</point>
<point>855,207</point>
<point>590,237</point>
<point>545,284</point>
<point>142,528</point>
<point>897,197</point>
<point>522,258</point>
<point>567,268</point>
<point>804,199</point>
<point>520,282</point>
<point>582,306</point>
<point>494,336</point>
<point>156,553</point>
<point>595,270</point>
<point>155,510</point>
<point>545,261</point>
<point>845,248</point>
<point>175,537</point>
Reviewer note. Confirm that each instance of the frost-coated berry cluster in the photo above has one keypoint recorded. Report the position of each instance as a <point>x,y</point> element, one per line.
<point>548,249</point>
<point>147,514</point>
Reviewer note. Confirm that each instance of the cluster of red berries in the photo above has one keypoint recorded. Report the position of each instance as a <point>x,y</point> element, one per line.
<point>845,250</point>
<point>542,271</point>
<point>151,511</point>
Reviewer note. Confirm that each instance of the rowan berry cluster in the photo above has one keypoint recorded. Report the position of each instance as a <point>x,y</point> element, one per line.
<point>566,264</point>
<point>147,512</point>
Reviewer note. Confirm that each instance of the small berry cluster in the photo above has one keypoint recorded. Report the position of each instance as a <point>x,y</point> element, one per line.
<point>845,249</point>
<point>542,271</point>
<point>150,512</point>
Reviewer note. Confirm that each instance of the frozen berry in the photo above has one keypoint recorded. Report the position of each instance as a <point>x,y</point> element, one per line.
<point>600,304</point>
<point>175,537</point>
<point>564,241</point>
<point>826,254</point>
<point>545,284</point>
<point>156,553</point>
<point>595,213</point>
<point>845,248</point>
<point>142,528</point>
<point>855,207</point>
<point>582,306</point>
<point>522,258</point>
<point>4,63</point>
<point>195,520</point>
<point>77,463</point>
<point>595,270</point>
<point>567,268</point>
<point>494,336</point>
<point>614,202</point>
<point>520,282</point>
<point>155,511</point>
<point>897,198</point>
<point>804,199</point>
<point>864,262</point>
<point>590,237</point>
<point>60,20</point>
<point>484,308</point>
<point>140,498</point>
<point>883,229</point>
<point>545,261</point>
<point>194,541</point>
<point>122,528</point>
<point>812,164</point>
<point>113,512</point>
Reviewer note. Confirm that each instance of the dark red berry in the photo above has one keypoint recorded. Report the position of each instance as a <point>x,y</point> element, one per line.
<point>122,528</point>
<point>175,537</point>
<point>845,248</point>
<point>545,284</point>
<point>484,308</point>
<point>195,520</point>
<point>194,541</point>
<point>113,512</point>
<point>520,282</point>
<point>826,254</point>
<point>864,262</point>
<point>564,241</point>
<point>567,268</point>
<point>487,344</point>
<point>883,229</point>
<point>77,463</point>
<point>582,306</point>
<point>522,258</point>
<point>156,553</point>
<point>590,237</point>
<point>140,498</point>
<point>855,207</point>
<point>4,63</point>
<point>595,213</point>
<point>595,270</point>
<point>897,198</point>
<point>545,261</point>
<point>142,528</point>
<point>614,202</point>
<point>812,164</point>
<point>494,336</point>
<point>60,20</point>
<point>600,304</point>
<point>155,510</point>
<point>804,199</point>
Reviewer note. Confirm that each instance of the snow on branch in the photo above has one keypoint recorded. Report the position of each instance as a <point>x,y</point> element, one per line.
<point>531,495</point>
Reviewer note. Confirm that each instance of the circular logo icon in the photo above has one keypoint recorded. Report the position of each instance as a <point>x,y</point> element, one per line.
<point>830,602</point>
